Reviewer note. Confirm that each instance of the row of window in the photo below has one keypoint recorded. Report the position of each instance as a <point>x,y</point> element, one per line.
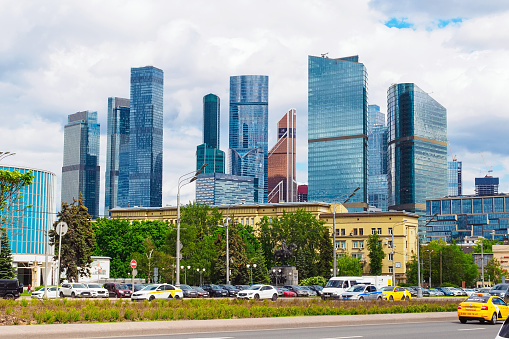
<point>360,231</point>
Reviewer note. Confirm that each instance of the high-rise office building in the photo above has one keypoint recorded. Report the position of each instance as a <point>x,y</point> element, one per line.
<point>80,171</point>
<point>454,178</point>
<point>213,157</point>
<point>146,137</point>
<point>248,137</point>
<point>378,187</point>
<point>337,131</point>
<point>220,188</point>
<point>117,154</point>
<point>417,138</point>
<point>302,193</point>
<point>282,186</point>
<point>486,186</point>
<point>209,152</point>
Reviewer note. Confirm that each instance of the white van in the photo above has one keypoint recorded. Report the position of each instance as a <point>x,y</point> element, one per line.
<point>337,285</point>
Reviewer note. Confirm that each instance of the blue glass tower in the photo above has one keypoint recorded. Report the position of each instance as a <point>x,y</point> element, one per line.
<point>454,176</point>
<point>378,188</point>
<point>209,152</point>
<point>417,152</point>
<point>117,154</point>
<point>337,131</point>
<point>249,111</point>
<point>80,171</point>
<point>146,137</point>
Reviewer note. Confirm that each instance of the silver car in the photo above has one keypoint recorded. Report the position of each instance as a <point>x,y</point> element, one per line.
<point>362,292</point>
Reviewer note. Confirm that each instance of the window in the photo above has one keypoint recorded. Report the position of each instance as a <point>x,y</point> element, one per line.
<point>354,231</point>
<point>379,231</point>
<point>390,230</point>
<point>342,231</point>
<point>390,269</point>
<point>373,231</point>
<point>379,243</point>
<point>337,232</point>
<point>391,256</point>
<point>343,245</point>
<point>354,244</point>
<point>361,244</point>
<point>337,244</point>
<point>389,243</point>
<point>359,256</point>
<point>361,231</point>
<point>252,221</point>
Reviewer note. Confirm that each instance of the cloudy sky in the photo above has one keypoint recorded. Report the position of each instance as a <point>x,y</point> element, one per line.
<point>60,57</point>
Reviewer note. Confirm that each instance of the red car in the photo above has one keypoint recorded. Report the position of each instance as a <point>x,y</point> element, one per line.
<point>284,292</point>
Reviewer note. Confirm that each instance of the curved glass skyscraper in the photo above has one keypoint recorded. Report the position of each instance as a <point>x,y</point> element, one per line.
<point>249,113</point>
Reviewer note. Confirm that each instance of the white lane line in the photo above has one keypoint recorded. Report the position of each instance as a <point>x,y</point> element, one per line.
<point>472,329</point>
<point>353,336</point>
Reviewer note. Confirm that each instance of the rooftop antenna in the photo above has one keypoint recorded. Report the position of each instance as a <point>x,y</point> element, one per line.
<point>324,55</point>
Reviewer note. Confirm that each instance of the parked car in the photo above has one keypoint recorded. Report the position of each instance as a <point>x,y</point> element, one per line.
<point>97,291</point>
<point>158,291</point>
<point>311,292</point>
<point>395,293</point>
<point>483,308</point>
<point>118,290</point>
<point>9,288</point>
<point>74,290</point>
<point>412,290</point>
<point>284,292</point>
<point>503,333</point>
<point>188,291</point>
<point>242,287</point>
<point>201,292</point>
<point>483,291</point>
<point>52,293</point>
<point>258,292</point>
<point>500,290</point>
<point>301,292</point>
<point>436,292</point>
<point>362,292</point>
<point>469,291</point>
<point>232,290</point>
<point>137,287</point>
<point>447,291</point>
<point>215,291</point>
<point>317,288</point>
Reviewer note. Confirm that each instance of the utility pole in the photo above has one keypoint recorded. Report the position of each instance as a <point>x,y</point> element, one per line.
<point>440,267</point>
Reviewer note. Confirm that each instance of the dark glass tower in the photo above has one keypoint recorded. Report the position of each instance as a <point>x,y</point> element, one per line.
<point>211,120</point>
<point>378,189</point>
<point>249,110</point>
<point>417,152</point>
<point>80,171</point>
<point>146,137</point>
<point>337,131</point>
<point>117,154</point>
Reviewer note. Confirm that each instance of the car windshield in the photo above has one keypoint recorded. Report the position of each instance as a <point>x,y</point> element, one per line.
<point>477,299</point>
<point>215,287</point>
<point>185,287</point>
<point>199,289</point>
<point>122,287</point>
<point>388,288</point>
<point>94,286</point>
<point>500,287</point>
<point>255,287</point>
<point>150,288</point>
<point>356,288</point>
<point>318,287</point>
<point>78,286</point>
<point>334,283</point>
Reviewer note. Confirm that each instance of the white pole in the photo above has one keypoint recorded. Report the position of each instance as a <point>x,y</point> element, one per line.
<point>59,253</point>
<point>177,279</point>
<point>334,260</point>
<point>227,250</point>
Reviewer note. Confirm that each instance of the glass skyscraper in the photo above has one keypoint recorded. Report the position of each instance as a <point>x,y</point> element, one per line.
<point>454,178</point>
<point>249,95</point>
<point>80,171</point>
<point>220,188</point>
<point>117,153</point>
<point>378,187</point>
<point>337,131</point>
<point>215,158</point>
<point>209,152</point>
<point>146,137</point>
<point>417,154</point>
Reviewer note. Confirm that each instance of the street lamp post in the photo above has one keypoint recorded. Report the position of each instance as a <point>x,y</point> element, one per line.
<point>251,268</point>
<point>183,180</point>
<point>334,204</point>
<point>430,268</point>
<point>4,155</point>
<point>185,268</point>
<point>228,243</point>
<point>419,289</point>
<point>402,222</point>
<point>200,272</point>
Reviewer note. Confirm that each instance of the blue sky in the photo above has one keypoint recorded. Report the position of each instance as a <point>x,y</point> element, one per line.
<point>57,58</point>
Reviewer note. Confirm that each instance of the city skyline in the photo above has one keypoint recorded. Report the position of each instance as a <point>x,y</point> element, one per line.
<point>462,61</point>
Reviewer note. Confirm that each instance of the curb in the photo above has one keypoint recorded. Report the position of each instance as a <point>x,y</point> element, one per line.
<point>103,330</point>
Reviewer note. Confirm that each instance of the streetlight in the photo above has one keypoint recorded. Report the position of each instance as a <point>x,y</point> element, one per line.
<point>185,268</point>
<point>251,268</point>
<point>200,271</point>
<point>430,268</point>
<point>183,180</point>
<point>228,242</point>
<point>334,260</point>
<point>402,222</point>
<point>4,155</point>
<point>419,289</point>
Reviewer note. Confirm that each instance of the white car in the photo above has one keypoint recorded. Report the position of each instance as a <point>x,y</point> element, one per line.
<point>74,290</point>
<point>97,291</point>
<point>503,333</point>
<point>158,291</point>
<point>258,292</point>
<point>52,293</point>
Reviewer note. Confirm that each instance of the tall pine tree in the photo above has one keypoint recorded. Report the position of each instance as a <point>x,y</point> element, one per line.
<point>6,269</point>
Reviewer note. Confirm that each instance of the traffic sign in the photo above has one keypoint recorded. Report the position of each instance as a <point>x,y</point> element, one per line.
<point>135,272</point>
<point>133,263</point>
<point>61,228</point>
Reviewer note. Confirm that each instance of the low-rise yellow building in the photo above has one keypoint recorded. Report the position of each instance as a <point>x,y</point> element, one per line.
<point>352,229</point>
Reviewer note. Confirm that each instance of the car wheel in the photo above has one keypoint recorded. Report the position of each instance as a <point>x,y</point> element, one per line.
<point>73,295</point>
<point>407,298</point>
<point>463,320</point>
<point>62,295</point>
<point>379,298</point>
<point>257,296</point>
<point>9,296</point>
<point>493,320</point>
<point>176,297</point>
<point>151,298</point>
<point>274,297</point>
<point>391,298</point>
<point>361,298</point>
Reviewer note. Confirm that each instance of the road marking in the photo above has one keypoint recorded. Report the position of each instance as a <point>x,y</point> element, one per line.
<point>353,336</point>
<point>212,338</point>
<point>471,329</point>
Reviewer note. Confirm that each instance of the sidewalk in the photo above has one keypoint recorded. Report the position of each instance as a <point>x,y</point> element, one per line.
<point>104,330</point>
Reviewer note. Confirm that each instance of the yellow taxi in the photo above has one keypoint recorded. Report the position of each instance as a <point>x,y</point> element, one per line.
<point>395,293</point>
<point>483,308</point>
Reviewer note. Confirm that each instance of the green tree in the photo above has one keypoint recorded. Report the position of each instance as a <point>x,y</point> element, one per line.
<point>237,255</point>
<point>6,269</point>
<point>376,254</point>
<point>318,280</point>
<point>494,271</point>
<point>152,258</point>
<point>348,266</point>
<point>78,243</point>
<point>487,245</point>
<point>260,272</point>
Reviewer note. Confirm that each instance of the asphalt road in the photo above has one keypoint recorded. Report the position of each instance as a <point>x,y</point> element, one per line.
<point>427,330</point>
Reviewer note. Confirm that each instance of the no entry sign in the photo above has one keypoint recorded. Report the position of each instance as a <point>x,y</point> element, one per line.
<point>133,263</point>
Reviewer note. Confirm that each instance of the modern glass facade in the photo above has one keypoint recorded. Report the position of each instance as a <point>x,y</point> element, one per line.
<point>458,217</point>
<point>282,184</point>
<point>27,227</point>
<point>486,186</point>
<point>211,120</point>
<point>146,137</point>
<point>417,152</point>
<point>249,110</point>
<point>454,178</point>
<point>217,188</point>
<point>215,158</point>
<point>337,131</point>
<point>80,171</point>
<point>378,184</point>
<point>117,153</point>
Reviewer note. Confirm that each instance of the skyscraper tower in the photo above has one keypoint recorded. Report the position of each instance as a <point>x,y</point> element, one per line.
<point>337,131</point>
<point>249,96</point>
<point>454,175</point>
<point>282,185</point>
<point>81,171</point>
<point>209,152</point>
<point>378,193</point>
<point>117,154</point>
<point>417,152</point>
<point>146,137</point>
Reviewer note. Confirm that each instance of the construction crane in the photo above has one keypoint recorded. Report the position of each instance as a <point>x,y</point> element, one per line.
<point>490,171</point>
<point>453,156</point>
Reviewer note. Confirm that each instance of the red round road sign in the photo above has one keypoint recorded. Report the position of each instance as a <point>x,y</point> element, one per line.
<point>133,263</point>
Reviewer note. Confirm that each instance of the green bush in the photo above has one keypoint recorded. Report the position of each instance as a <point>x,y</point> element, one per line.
<point>314,281</point>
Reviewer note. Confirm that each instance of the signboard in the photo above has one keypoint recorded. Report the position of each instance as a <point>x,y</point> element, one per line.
<point>133,263</point>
